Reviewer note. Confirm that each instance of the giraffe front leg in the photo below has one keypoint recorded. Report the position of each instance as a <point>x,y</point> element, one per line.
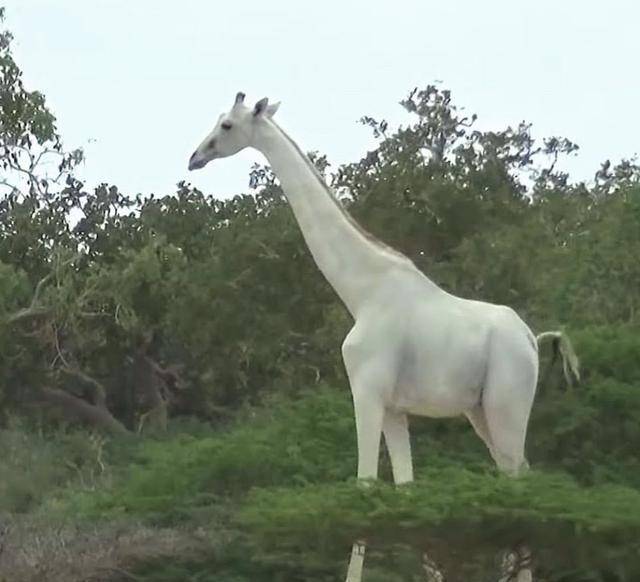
<point>395,427</point>
<point>368,384</point>
<point>369,414</point>
<point>371,372</point>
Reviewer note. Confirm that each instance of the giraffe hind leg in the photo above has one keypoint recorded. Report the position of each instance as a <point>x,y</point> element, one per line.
<point>507,399</point>
<point>478,421</point>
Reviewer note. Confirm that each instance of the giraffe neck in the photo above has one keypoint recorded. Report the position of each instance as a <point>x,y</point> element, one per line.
<point>351,259</point>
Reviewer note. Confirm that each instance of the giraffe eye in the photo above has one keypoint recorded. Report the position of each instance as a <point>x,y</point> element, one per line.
<point>226,125</point>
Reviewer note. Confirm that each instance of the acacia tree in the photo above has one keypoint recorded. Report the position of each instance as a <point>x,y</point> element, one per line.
<point>41,257</point>
<point>33,214</point>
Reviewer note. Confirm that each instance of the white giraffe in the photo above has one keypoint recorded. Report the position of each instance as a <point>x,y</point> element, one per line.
<point>413,348</point>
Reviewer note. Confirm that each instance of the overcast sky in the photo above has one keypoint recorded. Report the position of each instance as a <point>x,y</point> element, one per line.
<point>138,83</point>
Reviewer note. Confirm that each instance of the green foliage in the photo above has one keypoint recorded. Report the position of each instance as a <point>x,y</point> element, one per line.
<point>285,442</point>
<point>463,508</point>
<point>287,469</point>
<point>610,352</point>
<point>23,114</point>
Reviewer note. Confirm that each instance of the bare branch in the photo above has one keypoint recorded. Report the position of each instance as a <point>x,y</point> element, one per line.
<point>34,309</point>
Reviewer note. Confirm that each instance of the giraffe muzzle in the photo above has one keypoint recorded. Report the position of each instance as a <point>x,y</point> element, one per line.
<point>196,162</point>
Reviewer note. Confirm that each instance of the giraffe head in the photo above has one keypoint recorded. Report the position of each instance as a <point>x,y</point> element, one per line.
<point>233,131</point>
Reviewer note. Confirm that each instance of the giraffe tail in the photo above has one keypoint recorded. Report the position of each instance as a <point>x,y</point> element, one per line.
<point>563,348</point>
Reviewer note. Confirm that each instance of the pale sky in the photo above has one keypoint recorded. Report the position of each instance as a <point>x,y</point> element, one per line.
<point>138,83</point>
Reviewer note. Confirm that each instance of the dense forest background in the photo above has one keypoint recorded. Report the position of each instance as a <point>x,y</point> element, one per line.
<point>173,404</point>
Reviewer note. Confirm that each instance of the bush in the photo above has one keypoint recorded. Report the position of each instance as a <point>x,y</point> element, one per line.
<point>458,508</point>
<point>285,442</point>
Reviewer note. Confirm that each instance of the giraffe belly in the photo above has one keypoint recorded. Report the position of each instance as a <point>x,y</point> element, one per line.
<point>436,401</point>
<point>438,387</point>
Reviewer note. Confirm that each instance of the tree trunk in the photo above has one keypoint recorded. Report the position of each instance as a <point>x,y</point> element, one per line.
<point>76,408</point>
<point>150,383</point>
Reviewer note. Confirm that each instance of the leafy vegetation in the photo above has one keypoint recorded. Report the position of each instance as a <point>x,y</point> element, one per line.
<point>170,377</point>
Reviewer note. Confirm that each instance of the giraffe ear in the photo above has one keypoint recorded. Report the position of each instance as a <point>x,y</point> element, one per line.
<point>260,107</point>
<point>264,108</point>
<point>271,109</point>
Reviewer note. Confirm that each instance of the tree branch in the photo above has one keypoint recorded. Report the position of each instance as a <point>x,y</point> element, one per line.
<point>151,383</point>
<point>99,394</point>
<point>78,409</point>
<point>33,310</point>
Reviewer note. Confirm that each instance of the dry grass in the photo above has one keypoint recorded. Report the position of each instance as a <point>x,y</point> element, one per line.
<point>42,552</point>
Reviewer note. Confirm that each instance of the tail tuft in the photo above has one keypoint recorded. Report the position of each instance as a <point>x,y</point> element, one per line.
<point>562,347</point>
